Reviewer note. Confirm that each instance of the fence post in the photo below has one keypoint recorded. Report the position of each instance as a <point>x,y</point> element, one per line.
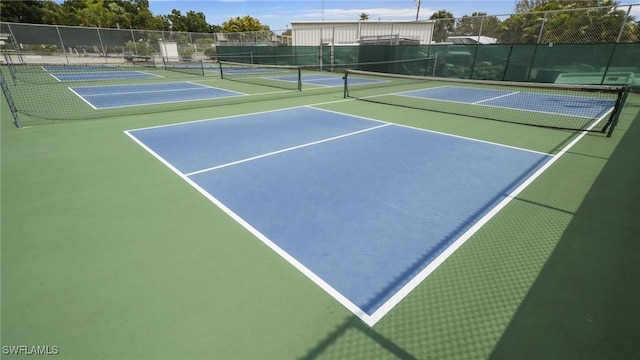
<point>615,46</point>
<point>135,48</point>
<point>10,102</point>
<point>104,51</point>
<point>64,51</point>
<point>624,23</point>
<point>15,45</point>
<point>544,20</point>
<point>475,54</point>
<point>506,66</point>
<point>535,50</point>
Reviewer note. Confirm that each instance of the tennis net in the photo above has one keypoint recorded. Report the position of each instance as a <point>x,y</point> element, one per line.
<point>577,107</point>
<point>196,67</point>
<point>278,76</point>
<point>424,66</point>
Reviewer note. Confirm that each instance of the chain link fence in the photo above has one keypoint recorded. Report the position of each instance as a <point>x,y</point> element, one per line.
<point>592,45</point>
<point>30,43</point>
<point>601,25</point>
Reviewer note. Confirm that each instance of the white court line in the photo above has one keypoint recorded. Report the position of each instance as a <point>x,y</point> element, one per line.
<point>496,97</point>
<point>372,319</point>
<point>199,88</point>
<point>157,91</point>
<point>273,246</point>
<point>285,150</point>
<point>213,87</point>
<point>413,283</point>
<point>431,131</point>
<point>214,119</point>
<point>82,97</point>
<point>78,72</point>
<point>492,106</point>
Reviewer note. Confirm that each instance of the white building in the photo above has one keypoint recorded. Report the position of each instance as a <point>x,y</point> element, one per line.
<point>330,33</point>
<point>471,40</point>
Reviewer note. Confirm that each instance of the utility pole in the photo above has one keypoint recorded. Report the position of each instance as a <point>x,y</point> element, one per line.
<point>418,11</point>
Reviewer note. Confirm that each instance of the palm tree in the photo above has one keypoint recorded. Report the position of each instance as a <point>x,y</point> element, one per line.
<point>364,17</point>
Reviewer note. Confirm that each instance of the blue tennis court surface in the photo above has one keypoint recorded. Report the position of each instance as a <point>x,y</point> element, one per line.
<point>111,96</point>
<point>53,68</point>
<point>324,79</point>
<point>529,101</point>
<point>250,71</point>
<point>365,209</point>
<point>101,75</point>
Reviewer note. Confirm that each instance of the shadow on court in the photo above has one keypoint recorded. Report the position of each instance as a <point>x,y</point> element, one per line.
<point>584,301</point>
<point>330,346</point>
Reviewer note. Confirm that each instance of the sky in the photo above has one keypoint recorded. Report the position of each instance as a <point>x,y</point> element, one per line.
<point>278,15</point>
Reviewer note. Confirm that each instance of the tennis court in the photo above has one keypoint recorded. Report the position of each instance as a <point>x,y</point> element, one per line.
<point>566,105</point>
<point>112,96</point>
<point>99,75</point>
<point>188,215</point>
<point>58,68</point>
<point>325,80</point>
<point>294,152</point>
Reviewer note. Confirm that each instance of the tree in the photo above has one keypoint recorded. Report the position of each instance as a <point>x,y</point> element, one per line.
<point>243,24</point>
<point>97,13</point>
<point>364,17</point>
<point>444,25</point>
<point>176,20</point>
<point>196,22</point>
<point>191,22</point>
<point>538,22</point>
<point>60,14</point>
<point>523,6</point>
<point>477,24</point>
<point>22,11</point>
<point>91,13</point>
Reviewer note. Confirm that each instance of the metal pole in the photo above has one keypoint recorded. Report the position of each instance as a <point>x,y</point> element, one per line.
<point>64,51</point>
<point>535,50</point>
<point>332,49</point>
<point>506,65</point>
<point>544,20</point>
<point>102,46</point>
<point>165,57</point>
<point>16,46</point>
<point>615,46</point>
<point>320,55</point>
<point>624,23</point>
<point>475,55</point>
<point>135,47</point>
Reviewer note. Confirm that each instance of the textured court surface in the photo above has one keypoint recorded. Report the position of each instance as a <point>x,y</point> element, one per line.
<point>364,206</point>
<point>113,96</point>
<point>70,76</point>
<point>108,253</point>
<point>535,102</point>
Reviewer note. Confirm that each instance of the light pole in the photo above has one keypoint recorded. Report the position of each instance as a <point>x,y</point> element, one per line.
<point>418,11</point>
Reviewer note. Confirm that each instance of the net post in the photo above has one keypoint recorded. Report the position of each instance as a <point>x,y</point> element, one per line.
<point>346,90</point>
<point>221,72</point>
<point>622,98</point>
<point>9,98</point>
<point>299,78</point>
